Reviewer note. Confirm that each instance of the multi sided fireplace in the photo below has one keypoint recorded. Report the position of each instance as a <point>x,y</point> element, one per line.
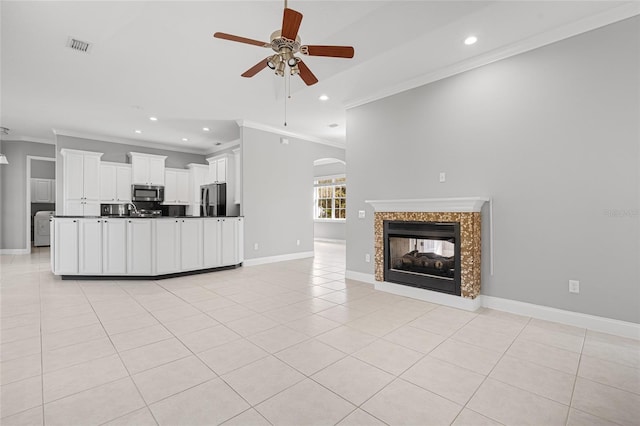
<point>423,254</point>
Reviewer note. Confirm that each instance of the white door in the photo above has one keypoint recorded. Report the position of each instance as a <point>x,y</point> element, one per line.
<point>114,246</point>
<point>90,247</point>
<point>140,170</point>
<point>74,177</point>
<point>139,246</point>
<point>107,183</point>
<point>91,169</point>
<point>167,236</point>
<point>212,243</point>
<point>123,184</point>
<point>221,172</point>
<point>66,246</point>
<point>191,244</point>
<point>182,187</point>
<point>170,187</point>
<point>41,191</point>
<point>156,171</point>
<point>229,242</point>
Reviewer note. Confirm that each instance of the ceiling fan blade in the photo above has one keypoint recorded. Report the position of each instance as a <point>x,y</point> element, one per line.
<point>291,21</point>
<point>332,51</point>
<point>239,39</point>
<point>306,74</point>
<point>256,68</point>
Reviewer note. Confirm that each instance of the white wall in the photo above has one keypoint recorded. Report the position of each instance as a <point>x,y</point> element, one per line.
<point>277,184</point>
<point>553,136</point>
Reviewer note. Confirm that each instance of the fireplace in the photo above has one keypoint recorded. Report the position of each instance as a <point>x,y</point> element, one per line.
<point>460,220</point>
<point>423,254</point>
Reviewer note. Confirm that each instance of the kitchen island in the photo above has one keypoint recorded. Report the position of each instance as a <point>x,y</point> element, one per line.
<point>100,247</point>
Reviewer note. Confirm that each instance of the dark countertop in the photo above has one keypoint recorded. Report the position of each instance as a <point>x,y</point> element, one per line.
<point>138,217</point>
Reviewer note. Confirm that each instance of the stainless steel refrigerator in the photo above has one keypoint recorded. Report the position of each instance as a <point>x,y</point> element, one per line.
<point>213,199</point>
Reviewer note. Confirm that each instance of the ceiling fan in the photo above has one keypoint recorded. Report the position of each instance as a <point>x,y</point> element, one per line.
<point>286,43</point>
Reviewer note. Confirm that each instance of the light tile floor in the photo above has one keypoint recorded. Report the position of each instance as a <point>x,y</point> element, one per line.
<point>291,343</point>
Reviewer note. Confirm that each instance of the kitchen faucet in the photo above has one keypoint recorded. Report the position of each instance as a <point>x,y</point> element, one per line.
<point>135,209</point>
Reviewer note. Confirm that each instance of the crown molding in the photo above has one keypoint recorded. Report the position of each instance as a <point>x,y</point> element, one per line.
<point>276,130</point>
<point>607,17</point>
<point>125,141</point>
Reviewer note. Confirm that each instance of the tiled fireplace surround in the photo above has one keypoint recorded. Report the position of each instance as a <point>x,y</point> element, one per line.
<point>465,211</point>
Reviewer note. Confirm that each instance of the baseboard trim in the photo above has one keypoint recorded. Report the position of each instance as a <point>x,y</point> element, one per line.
<point>331,240</point>
<point>14,251</point>
<point>592,322</point>
<point>278,258</point>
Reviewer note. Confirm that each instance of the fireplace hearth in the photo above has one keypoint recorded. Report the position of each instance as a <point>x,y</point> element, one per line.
<point>423,254</point>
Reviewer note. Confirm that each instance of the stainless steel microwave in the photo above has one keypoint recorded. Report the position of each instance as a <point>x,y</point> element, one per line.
<point>147,193</point>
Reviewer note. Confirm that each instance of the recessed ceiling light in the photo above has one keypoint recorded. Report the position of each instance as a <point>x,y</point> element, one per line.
<point>184,139</point>
<point>333,125</point>
<point>138,131</point>
<point>470,40</point>
<point>206,129</point>
<point>153,118</point>
<point>323,98</point>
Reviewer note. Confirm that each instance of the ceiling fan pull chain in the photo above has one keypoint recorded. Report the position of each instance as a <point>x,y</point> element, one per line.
<point>285,102</point>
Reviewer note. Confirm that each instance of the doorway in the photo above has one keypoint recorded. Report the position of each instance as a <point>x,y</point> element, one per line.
<point>40,197</point>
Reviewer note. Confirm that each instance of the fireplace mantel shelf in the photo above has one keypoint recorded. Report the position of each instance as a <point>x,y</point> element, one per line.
<point>466,204</point>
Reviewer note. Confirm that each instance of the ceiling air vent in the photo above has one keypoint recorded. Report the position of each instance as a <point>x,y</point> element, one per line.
<point>79,45</point>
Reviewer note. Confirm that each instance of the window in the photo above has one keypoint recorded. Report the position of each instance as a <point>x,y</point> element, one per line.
<point>330,197</point>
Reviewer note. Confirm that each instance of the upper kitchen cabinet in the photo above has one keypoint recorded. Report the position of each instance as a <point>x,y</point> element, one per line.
<point>115,182</point>
<point>81,182</point>
<point>176,188</point>
<point>218,167</point>
<point>198,176</point>
<point>147,169</point>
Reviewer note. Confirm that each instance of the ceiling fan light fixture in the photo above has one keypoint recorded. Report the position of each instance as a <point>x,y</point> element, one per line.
<point>292,62</point>
<point>273,62</point>
<point>295,70</point>
<point>280,69</point>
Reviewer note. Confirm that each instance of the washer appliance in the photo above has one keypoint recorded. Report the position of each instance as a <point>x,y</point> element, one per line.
<point>41,231</point>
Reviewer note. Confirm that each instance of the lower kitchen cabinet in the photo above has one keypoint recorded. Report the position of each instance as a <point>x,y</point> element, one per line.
<point>232,240</point>
<point>65,246</point>
<point>114,246</point>
<point>90,247</point>
<point>139,246</point>
<point>212,244</point>
<point>167,253</point>
<point>144,247</point>
<point>191,240</point>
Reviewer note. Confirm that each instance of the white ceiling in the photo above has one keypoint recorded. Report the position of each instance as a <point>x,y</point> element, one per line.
<point>158,58</point>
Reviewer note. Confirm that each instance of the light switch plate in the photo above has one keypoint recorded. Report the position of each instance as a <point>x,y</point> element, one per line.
<point>361,214</point>
<point>574,286</point>
<point>443,176</point>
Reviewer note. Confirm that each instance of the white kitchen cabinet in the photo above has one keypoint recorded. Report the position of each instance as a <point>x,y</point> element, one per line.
<point>232,240</point>
<point>114,246</point>
<point>90,246</point>
<point>81,182</point>
<point>191,240</point>
<point>139,246</point>
<point>218,168</point>
<point>65,246</point>
<point>212,244</point>
<point>167,243</point>
<point>147,169</point>
<point>176,188</point>
<point>115,183</point>
<point>198,176</point>
<point>43,190</point>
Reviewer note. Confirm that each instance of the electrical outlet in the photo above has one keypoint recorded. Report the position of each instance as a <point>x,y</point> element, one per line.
<point>297,242</point>
<point>255,246</point>
<point>367,258</point>
<point>443,176</point>
<point>574,286</point>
